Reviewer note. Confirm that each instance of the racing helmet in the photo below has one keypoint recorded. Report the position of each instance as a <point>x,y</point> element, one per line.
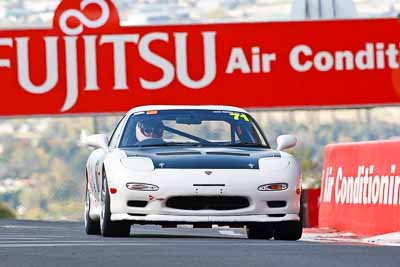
<point>149,128</point>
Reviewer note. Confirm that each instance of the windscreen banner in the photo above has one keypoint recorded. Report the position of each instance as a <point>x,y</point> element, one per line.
<point>360,190</point>
<point>88,63</point>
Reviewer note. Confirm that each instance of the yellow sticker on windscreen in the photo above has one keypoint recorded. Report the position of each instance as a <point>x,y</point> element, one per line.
<point>237,116</point>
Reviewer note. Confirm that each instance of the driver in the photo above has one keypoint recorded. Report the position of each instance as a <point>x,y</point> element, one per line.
<point>149,129</point>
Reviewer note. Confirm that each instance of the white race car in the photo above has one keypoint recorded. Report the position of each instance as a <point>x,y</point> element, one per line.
<point>196,165</point>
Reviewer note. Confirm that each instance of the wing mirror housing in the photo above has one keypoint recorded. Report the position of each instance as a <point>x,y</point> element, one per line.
<point>286,141</point>
<point>97,141</point>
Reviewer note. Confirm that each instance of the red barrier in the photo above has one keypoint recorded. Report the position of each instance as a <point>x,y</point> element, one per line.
<point>88,63</point>
<point>360,189</point>
<point>312,198</point>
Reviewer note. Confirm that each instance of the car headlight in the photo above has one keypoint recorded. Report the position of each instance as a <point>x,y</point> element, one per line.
<point>142,187</point>
<point>273,187</point>
<point>138,164</point>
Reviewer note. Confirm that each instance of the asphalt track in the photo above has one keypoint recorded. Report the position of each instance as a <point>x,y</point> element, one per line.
<point>24,243</point>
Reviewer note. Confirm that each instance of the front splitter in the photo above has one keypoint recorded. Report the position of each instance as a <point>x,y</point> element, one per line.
<point>200,219</point>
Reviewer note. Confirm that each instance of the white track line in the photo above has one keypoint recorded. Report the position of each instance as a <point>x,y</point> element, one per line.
<point>231,233</point>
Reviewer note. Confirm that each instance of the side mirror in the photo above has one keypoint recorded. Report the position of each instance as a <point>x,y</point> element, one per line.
<point>286,142</point>
<point>97,141</point>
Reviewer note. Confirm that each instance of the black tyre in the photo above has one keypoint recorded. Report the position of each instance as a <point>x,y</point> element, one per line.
<point>290,230</point>
<point>109,228</point>
<point>260,231</point>
<point>92,227</point>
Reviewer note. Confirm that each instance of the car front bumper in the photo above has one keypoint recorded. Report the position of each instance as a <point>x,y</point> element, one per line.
<point>173,183</point>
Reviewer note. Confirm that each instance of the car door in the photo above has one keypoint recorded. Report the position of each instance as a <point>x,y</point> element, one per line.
<point>94,169</point>
<point>95,163</point>
<point>101,154</point>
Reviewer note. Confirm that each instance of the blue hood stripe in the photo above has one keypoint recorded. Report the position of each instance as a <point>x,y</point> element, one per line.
<point>196,158</point>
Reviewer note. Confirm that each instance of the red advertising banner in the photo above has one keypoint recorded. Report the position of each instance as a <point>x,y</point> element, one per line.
<point>360,190</point>
<point>88,63</point>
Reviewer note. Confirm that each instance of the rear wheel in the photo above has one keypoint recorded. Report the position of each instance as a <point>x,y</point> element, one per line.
<point>260,231</point>
<point>289,230</point>
<point>92,227</point>
<point>109,228</point>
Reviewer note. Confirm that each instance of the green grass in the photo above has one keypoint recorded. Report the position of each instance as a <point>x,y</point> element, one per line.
<point>6,213</point>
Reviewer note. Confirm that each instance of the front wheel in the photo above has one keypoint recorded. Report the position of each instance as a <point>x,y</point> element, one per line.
<point>92,227</point>
<point>109,228</point>
<point>260,231</point>
<point>289,230</point>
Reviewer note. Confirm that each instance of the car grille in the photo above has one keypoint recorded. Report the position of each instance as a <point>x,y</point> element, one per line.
<point>137,203</point>
<point>208,203</point>
<point>277,204</point>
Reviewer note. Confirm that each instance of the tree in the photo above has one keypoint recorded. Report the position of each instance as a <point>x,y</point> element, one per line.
<point>6,213</point>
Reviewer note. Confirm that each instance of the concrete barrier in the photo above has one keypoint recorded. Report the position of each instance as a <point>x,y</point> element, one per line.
<point>360,190</point>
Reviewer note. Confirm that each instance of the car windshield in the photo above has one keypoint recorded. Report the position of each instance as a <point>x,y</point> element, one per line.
<point>192,128</point>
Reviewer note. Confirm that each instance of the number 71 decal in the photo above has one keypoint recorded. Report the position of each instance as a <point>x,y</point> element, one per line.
<point>237,116</point>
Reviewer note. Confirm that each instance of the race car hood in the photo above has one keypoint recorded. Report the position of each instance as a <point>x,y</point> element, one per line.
<point>203,158</point>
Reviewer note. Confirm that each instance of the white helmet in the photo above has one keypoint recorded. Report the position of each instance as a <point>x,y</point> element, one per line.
<point>149,129</point>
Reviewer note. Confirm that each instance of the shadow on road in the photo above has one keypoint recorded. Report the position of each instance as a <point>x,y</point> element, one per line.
<point>184,236</point>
